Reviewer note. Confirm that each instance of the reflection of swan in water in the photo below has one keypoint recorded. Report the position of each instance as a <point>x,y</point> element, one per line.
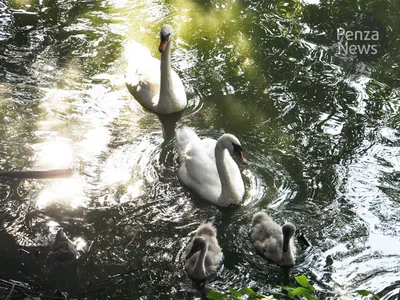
<point>274,242</point>
<point>168,123</point>
<point>153,83</point>
<point>203,254</point>
<point>208,168</point>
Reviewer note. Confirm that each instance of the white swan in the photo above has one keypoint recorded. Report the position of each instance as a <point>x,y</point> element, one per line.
<point>273,241</point>
<point>155,85</point>
<point>203,254</point>
<point>208,168</point>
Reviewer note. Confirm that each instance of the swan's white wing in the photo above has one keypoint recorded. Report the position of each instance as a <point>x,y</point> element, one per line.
<point>184,136</point>
<point>209,146</point>
<point>180,98</point>
<point>199,172</point>
<point>143,76</point>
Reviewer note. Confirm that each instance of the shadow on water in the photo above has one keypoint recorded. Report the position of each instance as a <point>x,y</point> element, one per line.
<point>168,123</point>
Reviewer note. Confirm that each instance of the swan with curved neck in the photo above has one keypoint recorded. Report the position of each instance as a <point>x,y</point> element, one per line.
<point>153,83</point>
<point>203,254</point>
<point>272,241</point>
<point>207,167</point>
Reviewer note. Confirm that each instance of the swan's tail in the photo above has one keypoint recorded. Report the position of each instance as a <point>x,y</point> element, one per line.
<point>184,136</point>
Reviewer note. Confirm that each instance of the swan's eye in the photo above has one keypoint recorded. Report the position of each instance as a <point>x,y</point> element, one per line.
<point>237,150</point>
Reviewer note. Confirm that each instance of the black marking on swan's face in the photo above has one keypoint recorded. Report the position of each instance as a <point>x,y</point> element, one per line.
<point>165,38</point>
<point>237,150</point>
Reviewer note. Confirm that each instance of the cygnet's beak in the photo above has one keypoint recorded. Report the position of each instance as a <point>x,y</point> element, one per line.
<point>163,45</point>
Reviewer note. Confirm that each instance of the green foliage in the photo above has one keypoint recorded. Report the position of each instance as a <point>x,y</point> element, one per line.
<point>367,293</point>
<point>305,290</point>
<point>216,295</point>
<point>238,295</point>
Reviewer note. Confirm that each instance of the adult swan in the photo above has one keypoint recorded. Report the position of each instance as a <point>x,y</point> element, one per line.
<point>158,89</point>
<point>208,168</point>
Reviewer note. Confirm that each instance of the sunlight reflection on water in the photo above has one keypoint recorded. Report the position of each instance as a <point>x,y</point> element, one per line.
<point>68,192</point>
<point>55,154</point>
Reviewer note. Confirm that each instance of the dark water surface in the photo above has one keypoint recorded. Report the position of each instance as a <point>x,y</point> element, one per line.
<point>319,130</point>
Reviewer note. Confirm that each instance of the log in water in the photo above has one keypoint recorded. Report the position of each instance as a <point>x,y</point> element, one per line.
<point>56,173</point>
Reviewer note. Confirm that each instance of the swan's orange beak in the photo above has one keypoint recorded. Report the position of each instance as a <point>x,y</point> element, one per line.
<point>162,46</point>
<point>239,154</point>
<point>237,150</point>
<point>242,157</point>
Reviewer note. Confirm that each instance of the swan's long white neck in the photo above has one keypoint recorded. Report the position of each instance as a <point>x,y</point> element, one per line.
<point>199,267</point>
<point>229,193</point>
<point>166,86</point>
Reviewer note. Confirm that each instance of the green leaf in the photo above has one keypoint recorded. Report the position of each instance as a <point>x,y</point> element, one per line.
<point>303,281</point>
<point>234,292</point>
<point>278,293</point>
<point>366,293</point>
<point>248,291</point>
<point>215,295</point>
<point>300,291</point>
<point>287,288</point>
<point>363,292</point>
<point>260,295</point>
